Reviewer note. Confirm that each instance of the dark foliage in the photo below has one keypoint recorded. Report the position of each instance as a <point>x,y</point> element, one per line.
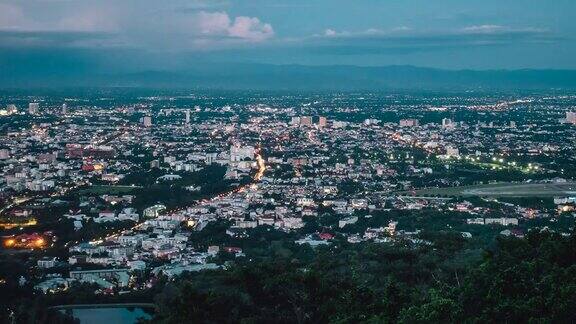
<point>519,281</point>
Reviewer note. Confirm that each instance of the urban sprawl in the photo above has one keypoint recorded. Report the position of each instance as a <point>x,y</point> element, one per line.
<point>119,193</point>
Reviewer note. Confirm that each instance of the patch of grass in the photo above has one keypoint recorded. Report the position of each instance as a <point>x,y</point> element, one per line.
<point>110,190</point>
<point>505,190</point>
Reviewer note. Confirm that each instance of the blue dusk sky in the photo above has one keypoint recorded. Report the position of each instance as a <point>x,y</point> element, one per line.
<point>136,35</point>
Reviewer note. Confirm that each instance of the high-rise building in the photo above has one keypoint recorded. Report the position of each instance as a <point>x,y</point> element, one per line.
<point>147,121</point>
<point>240,153</point>
<point>411,122</point>
<point>211,158</point>
<point>306,120</point>
<point>33,108</point>
<point>64,109</point>
<point>187,116</point>
<point>452,151</point>
<point>571,117</point>
<point>309,120</point>
<point>4,154</point>
<point>11,109</point>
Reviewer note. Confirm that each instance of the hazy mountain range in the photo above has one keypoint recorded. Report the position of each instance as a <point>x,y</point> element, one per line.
<point>297,77</point>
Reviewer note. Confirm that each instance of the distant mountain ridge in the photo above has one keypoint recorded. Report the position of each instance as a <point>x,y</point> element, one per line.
<point>301,77</point>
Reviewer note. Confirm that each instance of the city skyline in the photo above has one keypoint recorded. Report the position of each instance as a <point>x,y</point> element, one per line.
<point>287,161</point>
<point>166,202</point>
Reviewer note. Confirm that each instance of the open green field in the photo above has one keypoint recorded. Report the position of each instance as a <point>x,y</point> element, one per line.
<point>107,190</point>
<point>505,190</point>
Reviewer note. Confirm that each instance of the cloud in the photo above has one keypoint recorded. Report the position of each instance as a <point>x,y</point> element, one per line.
<point>498,29</point>
<point>87,19</point>
<point>330,33</point>
<point>255,30</point>
<point>401,29</point>
<point>20,28</point>
<point>483,29</point>
<point>250,28</point>
<point>106,24</point>
<point>213,23</point>
<point>18,38</point>
<point>364,33</point>
<point>404,39</point>
<point>219,24</point>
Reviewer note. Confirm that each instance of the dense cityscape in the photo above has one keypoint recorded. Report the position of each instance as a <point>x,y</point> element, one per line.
<point>115,196</point>
<point>287,162</point>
